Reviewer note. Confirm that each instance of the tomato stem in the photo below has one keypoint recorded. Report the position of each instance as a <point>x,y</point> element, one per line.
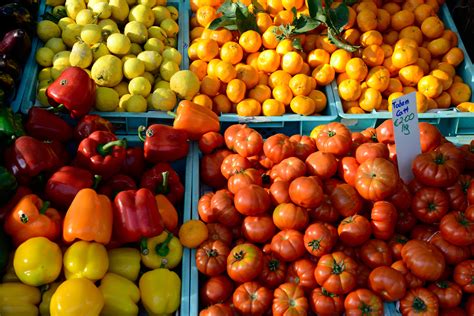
<point>331,133</point>
<point>442,284</point>
<point>273,265</point>
<point>419,305</point>
<point>439,159</point>
<point>315,244</point>
<point>326,293</point>
<point>365,309</point>
<point>239,255</point>
<point>211,253</point>
<point>337,268</point>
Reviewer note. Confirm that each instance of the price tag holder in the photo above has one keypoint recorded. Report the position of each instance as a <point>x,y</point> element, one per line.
<point>407,133</point>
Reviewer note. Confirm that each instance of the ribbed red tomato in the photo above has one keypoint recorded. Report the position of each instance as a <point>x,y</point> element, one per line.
<point>371,151</point>
<point>346,200</point>
<point>273,272</point>
<point>325,212</point>
<point>304,146</point>
<point>370,134</point>
<point>423,259</point>
<point>290,168</point>
<point>402,197</point>
<point>248,142</point>
<point>252,200</point>
<point>405,221</point>
<point>306,192</point>
<point>301,272</point>
<point>211,257</point>
<point>452,253</point>
<point>288,245</point>
<point>323,165</point>
<point>458,227</point>
<point>385,133</point>
<point>279,192</point>
<point>278,147</point>
<point>336,272</point>
<point>258,229</point>
<point>458,193</point>
<point>230,132</point>
<point>388,283</point>
<point>363,302</point>
<point>217,310</point>
<point>347,169</point>
<point>383,219</point>
<point>449,294</point>
<point>244,262</point>
<point>218,231</point>
<point>206,214</point>
<point>396,244</point>
<point>210,142</point>
<point>412,280</point>
<point>251,298</point>
<point>210,168</point>
<point>464,274</point>
<point>334,138</point>
<point>234,163</point>
<point>354,230</point>
<point>216,289</point>
<point>289,299</point>
<point>244,178</point>
<point>375,253</point>
<point>419,301</point>
<point>430,204</point>
<point>222,204</point>
<point>319,238</point>
<point>325,303</point>
<point>376,179</point>
<point>290,216</point>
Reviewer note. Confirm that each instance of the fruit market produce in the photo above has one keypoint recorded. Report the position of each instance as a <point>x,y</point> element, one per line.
<point>129,50</point>
<point>90,224</point>
<point>325,225</point>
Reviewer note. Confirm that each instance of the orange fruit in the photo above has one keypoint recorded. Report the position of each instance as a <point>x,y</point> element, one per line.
<point>231,52</point>
<point>387,63</point>
<point>407,90</point>
<point>192,51</point>
<point>268,61</point>
<point>236,90</point>
<point>405,42</point>
<point>425,54</point>
<point>212,66</point>
<point>283,17</point>
<point>196,32</point>
<point>439,46</point>
<point>443,77</point>
<point>454,56</point>
<point>351,36</point>
<point>324,43</point>
<point>305,70</point>
<point>402,19</point>
<point>421,102</point>
<point>248,107</point>
<point>391,7</point>
<point>292,63</point>
<point>221,104</point>
<point>250,41</point>
<point>466,107</point>
<point>366,5</point>
<point>387,50</point>
<point>452,37</point>
<point>457,78</point>
<point>431,104</point>
<point>422,12</point>
<point>341,77</point>
<point>372,37</point>
<point>310,42</point>
<point>339,59</point>
<point>206,33</point>
<point>410,75</point>
<point>274,6</point>
<point>247,74</point>
<point>192,233</point>
<point>225,71</point>
<point>269,39</point>
<point>383,20</point>
<point>351,19</point>
<point>404,56</point>
<point>279,77</point>
<point>207,49</point>
<point>447,68</point>
<point>210,86</point>
<point>262,78</point>
<point>434,63</point>
<point>367,20</point>
<point>199,67</point>
<point>390,38</point>
<point>349,90</point>
<point>203,100</point>
<point>444,100</point>
<point>459,92</point>
<point>349,104</point>
<point>303,105</point>
<point>193,22</point>
<point>260,93</point>
<point>272,107</point>
<point>252,60</point>
<point>435,4</point>
<point>373,55</point>
<point>285,46</point>
<point>378,78</point>
<point>412,32</point>
<point>283,94</point>
<point>356,69</point>
<point>391,97</point>
<point>355,110</point>
<point>430,86</point>
<point>206,15</point>
<point>221,36</point>
<point>301,84</point>
<point>394,85</point>
<point>424,65</point>
<point>370,99</point>
<point>264,21</point>
<point>432,27</point>
<point>320,100</point>
<point>324,74</point>
<point>317,57</point>
<point>289,4</point>
<point>410,5</point>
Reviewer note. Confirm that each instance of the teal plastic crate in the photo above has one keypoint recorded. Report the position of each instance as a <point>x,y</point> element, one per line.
<point>184,168</point>
<point>449,122</point>
<point>124,122</point>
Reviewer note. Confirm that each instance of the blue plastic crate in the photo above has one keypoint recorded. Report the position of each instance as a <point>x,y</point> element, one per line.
<point>450,122</point>
<point>184,168</point>
<point>124,122</point>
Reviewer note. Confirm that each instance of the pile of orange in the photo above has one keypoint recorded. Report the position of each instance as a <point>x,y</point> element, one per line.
<point>404,48</point>
<point>254,73</point>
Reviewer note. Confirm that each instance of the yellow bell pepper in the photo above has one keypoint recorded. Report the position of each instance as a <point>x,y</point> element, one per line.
<point>125,262</point>
<point>160,290</point>
<point>19,299</point>
<point>162,251</point>
<point>86,259</point>
<point>76,297</point>
<point>38,261</point>
<point>10,275</point>
<point>46,298</point>
<point>120,295</point>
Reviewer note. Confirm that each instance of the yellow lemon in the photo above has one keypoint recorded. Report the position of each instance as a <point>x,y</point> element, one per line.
<point>154,44</point>
<point>163,99</point>
<point>133,68</point>
<point>44,56</point>
<point>118,44</point>
<point>171,53</point>
<point>143,14</point>
<point>135,103</point>
<point>167,69</point>
<point>140,86</point>
<point>56,44</point>
<point>121,88</point>
<point>170,27</point>
<point>161,13</point>
<point>151,59</point>
<point>47,29</point>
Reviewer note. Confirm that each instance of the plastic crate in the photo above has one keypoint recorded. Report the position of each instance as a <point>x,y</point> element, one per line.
<point>124,122</point>
<point>198,189</point>
<point>184,168</point>
<point>450,122</point>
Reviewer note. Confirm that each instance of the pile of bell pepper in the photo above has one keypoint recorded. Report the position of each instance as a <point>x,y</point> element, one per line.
<point>89,222</point>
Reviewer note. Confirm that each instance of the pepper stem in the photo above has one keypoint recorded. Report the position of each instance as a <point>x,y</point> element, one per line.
<point>56,109</point>
<point>171,113</point>
<point>163,249</point>
<point>104,150</point>
<point>164,186</point>
<point>141,129</point>
<point>97,179</point>
<point>144,246</point>
<point>45,207</point>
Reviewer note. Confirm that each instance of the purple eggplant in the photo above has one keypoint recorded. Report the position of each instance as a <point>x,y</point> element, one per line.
<point>16,44</point>
<point>10,66</point>
<point>15,16</point>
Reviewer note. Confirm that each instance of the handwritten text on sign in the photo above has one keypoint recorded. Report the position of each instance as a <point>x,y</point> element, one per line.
<point>407,133</point>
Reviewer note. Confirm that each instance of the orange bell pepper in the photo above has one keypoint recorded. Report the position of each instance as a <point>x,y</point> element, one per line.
<point>168,213</point>
<point>195,119</point>
<point>89,218</point>
<point>32,217</point>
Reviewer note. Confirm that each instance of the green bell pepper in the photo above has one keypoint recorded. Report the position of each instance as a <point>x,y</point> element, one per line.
<point>4,251</point>
<point>11,126</point>
<point>8,185</point>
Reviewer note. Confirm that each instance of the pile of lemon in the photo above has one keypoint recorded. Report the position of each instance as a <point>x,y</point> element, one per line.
<point>127,46</point>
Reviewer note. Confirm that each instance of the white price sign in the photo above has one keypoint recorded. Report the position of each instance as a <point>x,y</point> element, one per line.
<point>407,133</point>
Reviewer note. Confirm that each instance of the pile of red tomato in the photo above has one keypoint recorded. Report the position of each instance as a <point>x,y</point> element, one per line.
<point>300,225</point>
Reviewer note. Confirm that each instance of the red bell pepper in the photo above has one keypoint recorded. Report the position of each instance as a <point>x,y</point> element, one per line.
<point>64,184</point>
<point>28,157</point>
<point>116,184</point>
<point>162,179</point>
<point>74,90</point>
<point>164,143</point>
<point>101,153</point>
<point>45,125</point>
<point>136,216</point>
<point>134,163</point>
<point>89,124</point>
<point>21,191</point>
<point>61,153</point>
